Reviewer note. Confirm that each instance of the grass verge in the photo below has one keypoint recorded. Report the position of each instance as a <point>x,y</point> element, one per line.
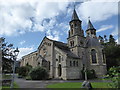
<point>15,86</point>
<point>78,85</point>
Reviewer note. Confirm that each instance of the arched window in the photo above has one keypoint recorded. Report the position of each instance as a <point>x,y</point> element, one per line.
<point>70,63</point>
<point>72,43</point>
<point>77,63</point>
<point>93,56</point>
<point>103,52</point>
<point>49,65</point>
<point>59,58</point>
<point>71,31</point>
<point>59,70</point>
<point>71,26</point>
<point>74,63</point>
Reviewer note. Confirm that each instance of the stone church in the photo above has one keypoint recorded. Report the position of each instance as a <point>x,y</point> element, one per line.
<point>66,60</point>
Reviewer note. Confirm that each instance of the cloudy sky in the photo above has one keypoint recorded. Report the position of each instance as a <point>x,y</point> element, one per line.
<point>25,22</point>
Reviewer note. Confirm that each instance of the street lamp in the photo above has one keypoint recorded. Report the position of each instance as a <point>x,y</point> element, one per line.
<point>85,71</point>
<point>15,54</point>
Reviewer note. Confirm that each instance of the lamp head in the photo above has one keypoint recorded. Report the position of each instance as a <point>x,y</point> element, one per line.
<point>16,51</point>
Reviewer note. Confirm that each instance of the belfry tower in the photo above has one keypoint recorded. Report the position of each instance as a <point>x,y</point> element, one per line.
<point>91,31</point>
<point>76,34</point>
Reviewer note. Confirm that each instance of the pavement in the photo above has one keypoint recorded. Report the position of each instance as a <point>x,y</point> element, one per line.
<point>22,83</point>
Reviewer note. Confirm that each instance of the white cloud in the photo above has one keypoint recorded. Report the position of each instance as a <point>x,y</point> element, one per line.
<point>25,51</point>
<point>104,0</point>
<point>54,36</point>
<point>105,27</point>
<point>15,15</point>
<point>98,11</point>
<point>22,42</point>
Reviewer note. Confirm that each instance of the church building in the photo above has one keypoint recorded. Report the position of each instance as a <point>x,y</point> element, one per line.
<point>66,60</point>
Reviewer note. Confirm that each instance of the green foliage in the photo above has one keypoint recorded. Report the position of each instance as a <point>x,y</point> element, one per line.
<point>6,62</point>
<point>111,40</point>
<point>112,51</point>
<point>28,77</point>
<point>38,73</point>
<point>15,86</point>
<point>7,65</point>
<point>114,75</point>
<point>90,74</point>
<point>24,70</point>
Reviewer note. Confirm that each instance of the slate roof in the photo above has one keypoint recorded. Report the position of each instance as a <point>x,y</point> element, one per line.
<point>74,15</point>
<point>92,42</point>
<point>42,58</point>
<point>65,48</point>
<point>90,26</point>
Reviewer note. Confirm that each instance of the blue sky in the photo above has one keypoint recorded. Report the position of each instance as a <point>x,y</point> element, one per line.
<point>25,22</point>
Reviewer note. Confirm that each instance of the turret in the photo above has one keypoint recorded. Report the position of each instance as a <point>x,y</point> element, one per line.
<point>91,31</point>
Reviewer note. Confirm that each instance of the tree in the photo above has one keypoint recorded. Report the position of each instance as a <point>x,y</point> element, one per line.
<point>24,71</point>
<point>101,39</point>
<point>105,38</point>
<point>111,40</point>
<point>6,55</point>
<point>112,52</point>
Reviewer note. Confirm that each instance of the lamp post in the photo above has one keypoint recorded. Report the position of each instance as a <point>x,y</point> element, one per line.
<point>85,73</point>
<point>15,54</point>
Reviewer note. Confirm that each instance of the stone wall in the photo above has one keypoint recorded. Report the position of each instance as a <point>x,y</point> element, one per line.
<point>74,72</point>
<point>29,59</point>
<point>99,67</point>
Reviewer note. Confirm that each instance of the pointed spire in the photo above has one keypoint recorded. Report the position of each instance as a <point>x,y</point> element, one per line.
<point>90,26</point>
<point>75,16</point>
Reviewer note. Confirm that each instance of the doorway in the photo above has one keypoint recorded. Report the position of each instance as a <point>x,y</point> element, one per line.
<point>59,70</point>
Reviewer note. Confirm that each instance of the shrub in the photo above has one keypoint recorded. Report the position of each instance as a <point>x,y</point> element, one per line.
<point>24,70</point>
<point>114,76</point>
<point>38,73</point>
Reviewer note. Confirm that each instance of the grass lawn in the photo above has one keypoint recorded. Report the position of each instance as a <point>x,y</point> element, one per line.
<point>78,85</point>
<point>15,86</point>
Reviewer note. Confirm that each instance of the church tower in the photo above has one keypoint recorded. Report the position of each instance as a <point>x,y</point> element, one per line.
<point>76,34</point>
<point>91,31</point>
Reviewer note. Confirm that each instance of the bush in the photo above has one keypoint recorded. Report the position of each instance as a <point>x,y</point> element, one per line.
<point>90,74</point>
<point>38,73</point>
<point>24,70</point>
<point>114,76</point>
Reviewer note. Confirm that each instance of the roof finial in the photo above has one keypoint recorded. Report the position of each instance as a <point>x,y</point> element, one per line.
<point>74,5</point>
<point>45,34</point>
<point>89,18</point>
<point>90,26</point>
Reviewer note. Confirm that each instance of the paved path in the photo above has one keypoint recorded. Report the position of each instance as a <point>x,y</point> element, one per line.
<point>35,84</point>
<point>42,83</point>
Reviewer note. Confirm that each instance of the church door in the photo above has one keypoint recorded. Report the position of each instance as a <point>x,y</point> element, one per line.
<point>59,70</point>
